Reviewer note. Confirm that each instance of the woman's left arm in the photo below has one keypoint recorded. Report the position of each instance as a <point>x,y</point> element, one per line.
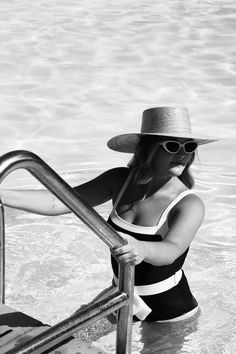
<point>184,221</point>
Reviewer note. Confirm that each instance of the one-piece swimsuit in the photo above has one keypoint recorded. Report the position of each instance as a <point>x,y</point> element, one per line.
<point>161,292</point>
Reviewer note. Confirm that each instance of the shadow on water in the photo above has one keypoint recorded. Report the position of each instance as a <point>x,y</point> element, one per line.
<point>167,338</point>
<point>151,337</point>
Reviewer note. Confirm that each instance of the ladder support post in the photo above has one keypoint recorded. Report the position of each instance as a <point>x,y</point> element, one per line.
<point>125,314</point>
<point>2,256</point>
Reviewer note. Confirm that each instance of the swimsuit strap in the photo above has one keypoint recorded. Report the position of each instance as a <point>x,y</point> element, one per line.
<point>125,185</point>
<point>172,204</point>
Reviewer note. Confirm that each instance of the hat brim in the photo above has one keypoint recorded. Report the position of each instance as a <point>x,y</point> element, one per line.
<point>128,142</point>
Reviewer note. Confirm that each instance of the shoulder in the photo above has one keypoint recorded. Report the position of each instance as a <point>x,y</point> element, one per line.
<point>119,171</point>
<point>103,187</point>
<point>190,206</point>
<point>192,201</point>
<point>116,177</point>
<point>117,174</point>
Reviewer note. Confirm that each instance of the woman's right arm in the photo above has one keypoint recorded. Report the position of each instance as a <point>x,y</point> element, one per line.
<point>40,202</point>
<point>97,191</point>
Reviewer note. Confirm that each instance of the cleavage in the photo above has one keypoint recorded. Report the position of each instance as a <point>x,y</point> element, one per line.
<point>144,213</point>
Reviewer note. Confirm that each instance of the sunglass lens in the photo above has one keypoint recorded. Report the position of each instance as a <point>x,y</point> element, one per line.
<point>172,146</point>
<point>190,147</point>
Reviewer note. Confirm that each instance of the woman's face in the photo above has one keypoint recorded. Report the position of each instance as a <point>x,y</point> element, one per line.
<point>167,164</point>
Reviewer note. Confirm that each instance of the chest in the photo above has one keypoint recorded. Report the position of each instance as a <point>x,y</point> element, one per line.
<point>147,212</point>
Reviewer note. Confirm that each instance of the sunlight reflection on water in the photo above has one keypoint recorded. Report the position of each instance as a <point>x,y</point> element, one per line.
<point>75,74</point>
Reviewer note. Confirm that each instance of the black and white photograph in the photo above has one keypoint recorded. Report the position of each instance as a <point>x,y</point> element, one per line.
<point>117,177</point>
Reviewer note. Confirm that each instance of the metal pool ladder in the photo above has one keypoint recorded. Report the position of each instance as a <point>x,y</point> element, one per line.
<point>121,299</point>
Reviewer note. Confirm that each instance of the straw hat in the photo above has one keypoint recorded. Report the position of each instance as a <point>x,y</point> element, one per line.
<point>159,121</point>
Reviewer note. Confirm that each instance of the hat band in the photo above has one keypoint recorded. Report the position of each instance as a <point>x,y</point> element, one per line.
<point>150,128</point>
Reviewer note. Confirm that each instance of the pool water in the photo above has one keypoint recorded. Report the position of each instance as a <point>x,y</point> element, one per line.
<point>73,74</point>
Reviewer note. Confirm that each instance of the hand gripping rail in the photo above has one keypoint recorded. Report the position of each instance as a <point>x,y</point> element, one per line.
<point>122,298</point>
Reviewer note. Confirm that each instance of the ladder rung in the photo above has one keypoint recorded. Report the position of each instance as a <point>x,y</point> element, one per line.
<point>66,328</point>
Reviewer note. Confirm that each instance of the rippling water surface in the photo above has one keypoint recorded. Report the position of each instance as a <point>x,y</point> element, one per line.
<point>72,74</point>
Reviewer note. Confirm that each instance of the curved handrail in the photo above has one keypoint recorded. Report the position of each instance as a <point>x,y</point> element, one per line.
<point>53,182</point>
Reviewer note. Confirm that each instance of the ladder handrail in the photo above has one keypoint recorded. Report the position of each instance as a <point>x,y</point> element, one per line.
<point>53,182</point>
<point>66,194</point>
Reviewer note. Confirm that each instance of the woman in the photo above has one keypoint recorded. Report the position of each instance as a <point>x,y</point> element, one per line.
<point>153,208</point>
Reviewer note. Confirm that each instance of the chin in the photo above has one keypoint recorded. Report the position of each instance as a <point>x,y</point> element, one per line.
<point>177,170</point>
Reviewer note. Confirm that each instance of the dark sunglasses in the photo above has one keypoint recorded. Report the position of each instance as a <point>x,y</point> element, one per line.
<point>173,146</point>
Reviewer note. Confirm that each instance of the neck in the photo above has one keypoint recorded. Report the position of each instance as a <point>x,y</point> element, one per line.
<point>157,184</point>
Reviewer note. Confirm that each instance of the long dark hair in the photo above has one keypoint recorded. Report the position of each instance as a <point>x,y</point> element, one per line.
<point>141,163</point>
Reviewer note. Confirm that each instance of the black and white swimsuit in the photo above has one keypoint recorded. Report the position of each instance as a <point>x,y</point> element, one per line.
<point>161,293</point>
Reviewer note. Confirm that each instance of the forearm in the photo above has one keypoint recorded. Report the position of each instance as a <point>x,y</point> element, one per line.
<point>40,202</point>
<point>160,253</point>
<point>156,253</point>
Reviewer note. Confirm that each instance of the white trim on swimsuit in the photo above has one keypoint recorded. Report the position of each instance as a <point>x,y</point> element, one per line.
<point>148,230</point>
